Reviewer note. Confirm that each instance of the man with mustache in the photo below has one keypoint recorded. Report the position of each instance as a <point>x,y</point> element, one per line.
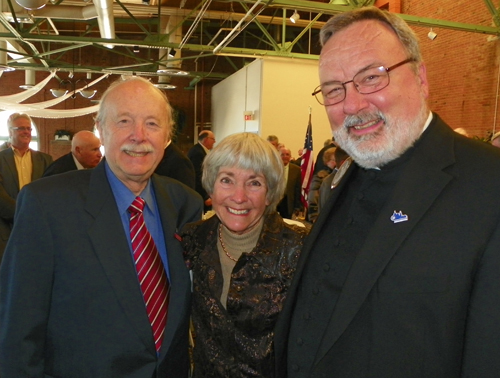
<point>399,276</point>
<point>93,282</point>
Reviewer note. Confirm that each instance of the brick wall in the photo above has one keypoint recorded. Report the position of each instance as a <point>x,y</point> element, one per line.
<point>462,67</point>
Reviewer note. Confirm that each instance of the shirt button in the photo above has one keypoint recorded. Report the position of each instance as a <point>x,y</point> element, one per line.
<point>336,242</point>
<point>306,316</point>
<point>295,367</point>
<point>315,290</point>
<point>300,341</point>
<point>326,267</point>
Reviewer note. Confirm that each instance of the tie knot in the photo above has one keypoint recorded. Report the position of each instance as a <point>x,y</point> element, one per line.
<point>137,206</point>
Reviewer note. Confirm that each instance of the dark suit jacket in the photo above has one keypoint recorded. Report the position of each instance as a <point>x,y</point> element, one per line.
<point>177,166</point>
<point>83,313</point>
<point>10,184</point>
<point>292,190</point>
<point>65,163</point>
<point>196,154</point>
<point>422,298</point>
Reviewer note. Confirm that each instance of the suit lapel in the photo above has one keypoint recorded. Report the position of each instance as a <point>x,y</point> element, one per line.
<point>283,324</point>
<point>111,248</point>
<point>11,165</point>
<point>38,165</point>
<point>425,171</point>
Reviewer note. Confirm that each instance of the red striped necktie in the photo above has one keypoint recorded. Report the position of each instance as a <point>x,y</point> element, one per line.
<point>150,270</point>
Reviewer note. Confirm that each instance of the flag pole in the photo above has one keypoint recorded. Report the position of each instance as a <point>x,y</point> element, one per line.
<point>307,164</point>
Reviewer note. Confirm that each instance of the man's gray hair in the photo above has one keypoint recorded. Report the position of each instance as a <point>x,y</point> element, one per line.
<point>404,33</point>
<point>247,151</point>
<point>14,116</point>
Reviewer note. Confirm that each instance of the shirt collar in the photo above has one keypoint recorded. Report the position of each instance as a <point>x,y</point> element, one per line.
<point>77,163</point>
<point>123,195</point>
<point>206,149</point>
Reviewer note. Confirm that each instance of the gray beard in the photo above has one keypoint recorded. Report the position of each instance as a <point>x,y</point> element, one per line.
<point>397,137</point>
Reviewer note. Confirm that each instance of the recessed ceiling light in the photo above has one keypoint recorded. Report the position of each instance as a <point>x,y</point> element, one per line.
<point>165,86</point>
<point>172,71</point>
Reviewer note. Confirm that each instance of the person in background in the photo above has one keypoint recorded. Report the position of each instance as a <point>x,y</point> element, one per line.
<point>85,154</point>
<point>327,185</point>
<point>242,259</point>
<point>290,203</point>
<point>75,301</point>
<point>19,165</point>
<point>274,140</point>
<point>313,195</point>
<point>495,140</point>
<point>298,161</point>
<point>399,276</point>
<point>319,165</point>
<point>176,165</point>
<point>462,131</point>
<point>197,154</point>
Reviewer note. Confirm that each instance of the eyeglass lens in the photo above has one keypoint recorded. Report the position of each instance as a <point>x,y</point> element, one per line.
<point>367,81</point>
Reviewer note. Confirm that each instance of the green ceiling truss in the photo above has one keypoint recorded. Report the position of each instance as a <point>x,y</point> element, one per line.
<point>43,50</point>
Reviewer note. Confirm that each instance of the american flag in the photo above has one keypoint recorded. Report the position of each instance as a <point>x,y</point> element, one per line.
<point>307,164</point>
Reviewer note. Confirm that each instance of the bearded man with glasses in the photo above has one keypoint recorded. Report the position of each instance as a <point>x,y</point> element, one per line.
<point>19,165</point>
<point>400,275</point>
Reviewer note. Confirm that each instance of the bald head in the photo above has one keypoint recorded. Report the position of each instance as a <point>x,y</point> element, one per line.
<point>85,147</point>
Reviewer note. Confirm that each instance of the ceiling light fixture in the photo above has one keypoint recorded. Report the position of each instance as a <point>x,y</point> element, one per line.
<point>86,92</point>
<point>136,49</point>
<point>171,53</point>
<point>431,35</point>
<point>172,72</point>
<point>165,86</point>
<point>295,16</point>
<point>32,4</point>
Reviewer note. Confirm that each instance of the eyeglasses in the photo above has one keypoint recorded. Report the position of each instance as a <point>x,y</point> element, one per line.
<point>369,80</point>
<point>22,128</point>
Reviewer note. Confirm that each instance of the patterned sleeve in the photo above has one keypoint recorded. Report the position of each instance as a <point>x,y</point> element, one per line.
<point>188,242</point>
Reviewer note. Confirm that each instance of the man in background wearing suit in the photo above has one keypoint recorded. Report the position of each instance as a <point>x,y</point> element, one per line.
<point>196,154</point>
<point>85,154</point>
<point>177,166</point>
<point>399,276</point>
<point>290,203</point>
<point>19,165</point>
<point>71,304</point>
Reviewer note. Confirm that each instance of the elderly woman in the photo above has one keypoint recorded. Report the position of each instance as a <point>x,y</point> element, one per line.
<point>242,259</point>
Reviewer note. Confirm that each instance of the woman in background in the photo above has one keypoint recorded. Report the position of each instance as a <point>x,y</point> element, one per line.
<point>242,259</point>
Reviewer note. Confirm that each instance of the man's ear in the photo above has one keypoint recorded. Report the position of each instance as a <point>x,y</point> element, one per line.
<point>101,133</point>
<point>424,83</point>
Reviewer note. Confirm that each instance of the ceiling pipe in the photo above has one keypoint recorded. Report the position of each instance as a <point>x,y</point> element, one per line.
<point>29,79</point>
<point>105,19</point>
